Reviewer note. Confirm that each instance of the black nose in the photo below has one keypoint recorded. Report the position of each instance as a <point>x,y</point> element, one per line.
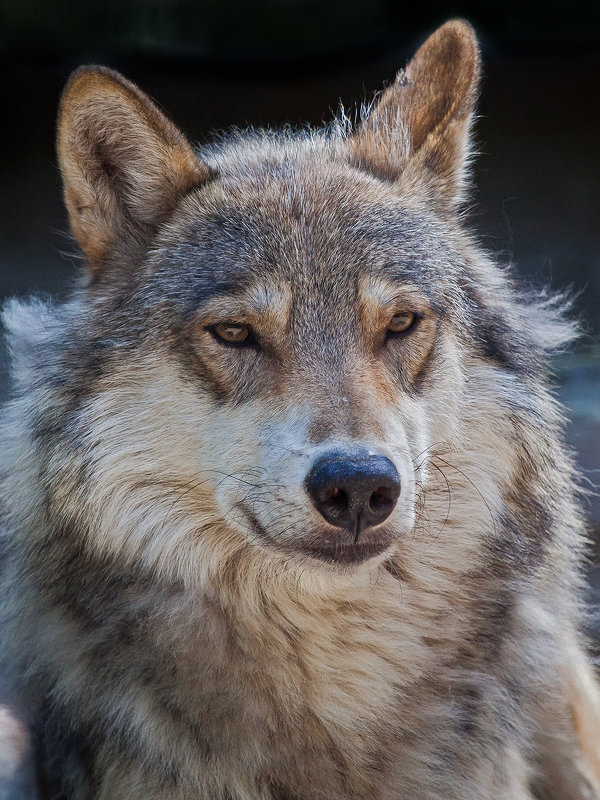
<point>353,491</point>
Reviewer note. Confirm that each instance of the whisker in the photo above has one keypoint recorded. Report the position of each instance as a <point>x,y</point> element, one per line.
<point>466,477</point>
<point>444,476</point>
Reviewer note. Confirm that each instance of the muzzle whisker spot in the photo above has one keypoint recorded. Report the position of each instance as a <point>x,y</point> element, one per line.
<point>466,477</point>
<point>449,492</point>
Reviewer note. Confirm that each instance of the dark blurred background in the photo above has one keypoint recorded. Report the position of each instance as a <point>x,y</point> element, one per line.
<point>215,63</point>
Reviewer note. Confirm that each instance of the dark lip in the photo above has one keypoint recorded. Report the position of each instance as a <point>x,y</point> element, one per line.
<point>347,554</point>
<point>338,553</point>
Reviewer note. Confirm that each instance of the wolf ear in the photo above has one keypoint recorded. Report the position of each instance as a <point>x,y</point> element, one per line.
<point>418,132</point>
<point>124,165</point>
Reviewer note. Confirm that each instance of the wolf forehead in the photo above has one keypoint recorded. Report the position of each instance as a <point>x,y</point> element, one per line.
<point>308,233</point>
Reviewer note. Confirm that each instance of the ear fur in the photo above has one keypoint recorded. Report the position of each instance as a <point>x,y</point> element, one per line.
<point>418,132</point>
<point>124,165</point>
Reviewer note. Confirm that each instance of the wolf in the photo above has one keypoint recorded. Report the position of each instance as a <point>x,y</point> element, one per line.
<point>286,508</point>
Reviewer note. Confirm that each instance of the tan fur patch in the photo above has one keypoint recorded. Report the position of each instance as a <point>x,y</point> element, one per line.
<point>585,704</point>
<point>417,131</point>
<point>124,164</point>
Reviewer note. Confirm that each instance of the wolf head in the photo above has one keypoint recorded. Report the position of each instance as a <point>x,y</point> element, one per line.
<point>278,334</point>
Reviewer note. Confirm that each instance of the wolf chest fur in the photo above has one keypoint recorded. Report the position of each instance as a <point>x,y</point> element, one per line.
<point>285,504</point>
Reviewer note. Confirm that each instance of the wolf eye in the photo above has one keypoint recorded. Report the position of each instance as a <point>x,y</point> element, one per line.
<point>402,322</point>
<point>231,332</point>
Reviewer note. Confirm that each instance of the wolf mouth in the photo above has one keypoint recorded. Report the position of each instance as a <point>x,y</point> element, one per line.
<point>348,553</point>
<point>331,552</point>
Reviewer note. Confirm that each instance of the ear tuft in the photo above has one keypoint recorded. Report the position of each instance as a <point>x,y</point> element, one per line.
<point>418,131</point>
<point>124,164</point>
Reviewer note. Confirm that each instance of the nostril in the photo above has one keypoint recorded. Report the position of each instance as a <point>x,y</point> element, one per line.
<point>336,499</point>
<point>382,499</point>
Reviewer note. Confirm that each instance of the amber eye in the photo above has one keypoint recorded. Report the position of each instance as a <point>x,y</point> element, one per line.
<point>231,332</point>
<point>402,322</point>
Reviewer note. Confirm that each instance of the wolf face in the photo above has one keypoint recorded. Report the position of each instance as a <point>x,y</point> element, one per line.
<point>324,406</point>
